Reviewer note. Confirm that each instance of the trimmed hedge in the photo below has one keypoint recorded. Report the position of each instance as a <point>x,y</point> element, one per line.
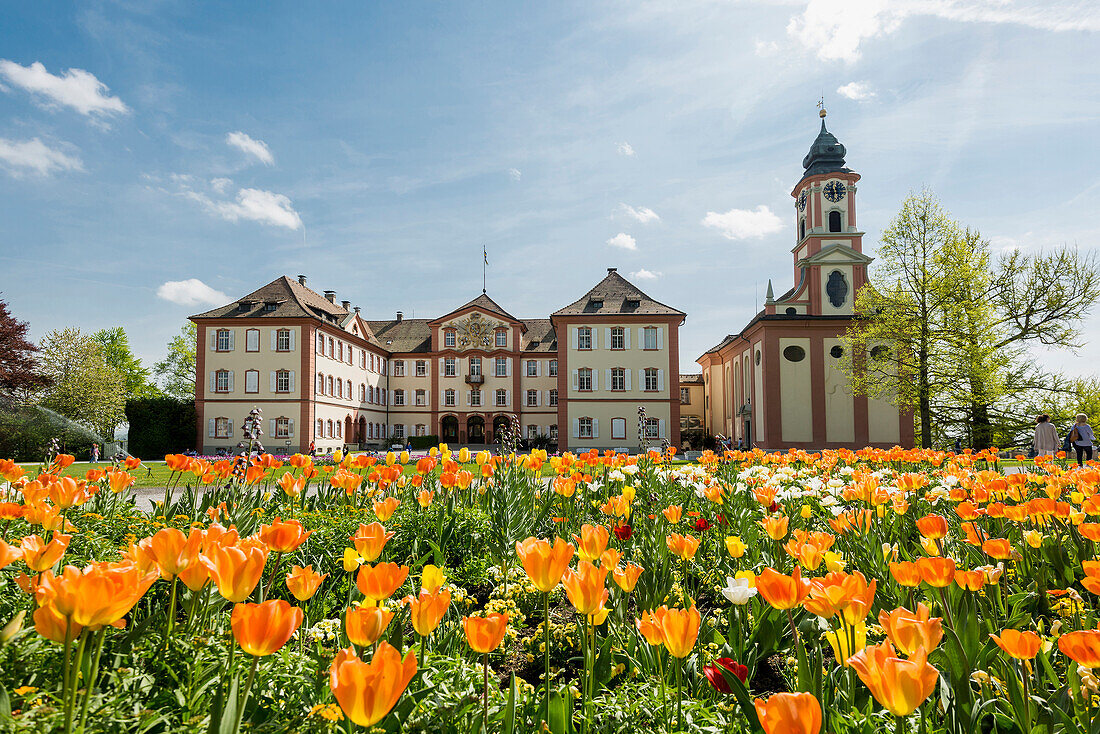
<point>160,426</point>
<point>423,442</point>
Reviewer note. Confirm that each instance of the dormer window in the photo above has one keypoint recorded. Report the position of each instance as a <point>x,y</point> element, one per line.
<point>244,305</point>
<point>633,303</point>
<point>269,307</point>
<point>596,303</point>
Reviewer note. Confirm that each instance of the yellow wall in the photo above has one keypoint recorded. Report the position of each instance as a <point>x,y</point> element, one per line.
<point>796,406</point>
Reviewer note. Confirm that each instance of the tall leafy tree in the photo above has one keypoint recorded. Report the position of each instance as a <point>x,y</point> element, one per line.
<point>117,353</point>
<point>959,322</point>
<point>83,386</point>
<point>176,372</point>
<point>900,350</point>
<point>19,372</point>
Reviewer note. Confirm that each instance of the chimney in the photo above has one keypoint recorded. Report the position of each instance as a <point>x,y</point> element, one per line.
<point>400,315</point>
<point>346,305</point>
<point>331,296</point>
<point>356,309</point>
<point>302,279</point>
<point>611,270</point>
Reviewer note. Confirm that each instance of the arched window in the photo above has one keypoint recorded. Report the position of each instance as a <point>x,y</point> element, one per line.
<point>834,221</point>
<point>320,383</point>
<point>330,392</point>
<point>320,428</point>
<point>802,229</point>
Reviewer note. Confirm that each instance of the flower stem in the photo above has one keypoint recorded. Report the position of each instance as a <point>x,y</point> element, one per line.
<point>92,673</point>
<point>247,690</point>
<point>546,652</point>
<point>485,694</point>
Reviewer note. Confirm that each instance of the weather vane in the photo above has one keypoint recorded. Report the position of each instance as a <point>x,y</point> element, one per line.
<point>821,106</point>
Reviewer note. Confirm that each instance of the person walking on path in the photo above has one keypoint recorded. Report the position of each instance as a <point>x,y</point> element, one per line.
<point>1081,437</point>
<point>95,453</point>
<point>1046,440</point>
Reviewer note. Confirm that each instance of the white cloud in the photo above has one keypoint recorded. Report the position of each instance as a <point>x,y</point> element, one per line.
<point>643,214</point>
<point>77,88</point>
<point>625,148</point>
<point>515,173</point>
<point>859,91</point>
<point>766,48</point>
<point>623,240</point>
<point>644,274</point>
<point>220,184</point>
<point>36,156</point>
<point>741,224</point>
<point>190,292</point>
<point>254,205</point>
<point>835,30</point>
<point>250,146</point>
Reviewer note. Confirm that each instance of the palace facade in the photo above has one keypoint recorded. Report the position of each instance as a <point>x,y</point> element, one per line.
<point>777,383</point>
<point>324,374</point>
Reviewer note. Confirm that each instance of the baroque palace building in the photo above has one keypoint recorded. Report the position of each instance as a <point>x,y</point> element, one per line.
<point>777,383</point>
<point>324,374</point>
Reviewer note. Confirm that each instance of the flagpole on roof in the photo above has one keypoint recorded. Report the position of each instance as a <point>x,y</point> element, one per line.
<point>484,265</point>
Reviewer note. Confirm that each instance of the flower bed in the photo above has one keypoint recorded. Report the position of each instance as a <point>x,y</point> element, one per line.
<point>844,591</point>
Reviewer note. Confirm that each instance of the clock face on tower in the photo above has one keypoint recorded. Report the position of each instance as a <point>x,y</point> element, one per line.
<point>802,201</point>
<point>834,191</point>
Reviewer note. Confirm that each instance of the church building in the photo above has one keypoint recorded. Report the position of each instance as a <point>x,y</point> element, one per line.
<point>777,383</point>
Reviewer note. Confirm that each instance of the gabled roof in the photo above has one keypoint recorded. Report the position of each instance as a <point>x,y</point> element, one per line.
<point>291,299</point>
<point>826,255</point>
<point>481,303</point>
<point>406,335</point>
<point>696,378</point>
<point>539,336</point>
<point>616,295</point>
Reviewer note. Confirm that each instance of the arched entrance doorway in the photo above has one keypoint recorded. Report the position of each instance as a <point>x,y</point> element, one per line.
<point>361,435</point>
<point>500,425</point>
<point>475,429</point>
<point>448,429</point>
<point>349,430</point>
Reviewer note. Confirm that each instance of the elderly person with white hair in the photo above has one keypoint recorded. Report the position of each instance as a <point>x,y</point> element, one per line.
<point>1081,437</point>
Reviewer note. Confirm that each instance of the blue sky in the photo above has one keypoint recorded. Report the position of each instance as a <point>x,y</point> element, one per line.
<point>156,155</point>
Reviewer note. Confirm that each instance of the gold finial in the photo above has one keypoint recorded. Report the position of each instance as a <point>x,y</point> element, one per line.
<point>821,107</point>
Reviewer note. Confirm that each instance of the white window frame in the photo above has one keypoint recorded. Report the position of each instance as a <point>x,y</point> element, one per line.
<point>584,338</point>
<point>475,365</point>
<point>532,398</point>
<point>501,397</point>
<point>500,367</point>
<point>553,401</point>
<point>651,373</point>
<point>652,428</point>
<point>475,398</point>
<point>618,379</point>
<point>398,397</point>
<point>449,338</point>
<point>618,428</point>
<point>501,338</point>
<point>282,428</point>
<point>399,368</point>
<point>220,384</point>
<point>255,377</point>
<point>618,338</point>
<point>251,340</point>
<point>584,428</point>
<point>553,370</point>
<point>647,332</point>
<point>420,397</point>
<point>584,377</point>
<point>421,368</point>
<point>283,340</point>
<point>532,368</point>
<point>450,397</point>
<point>450,367</point>
<point>223,340</point>
<point>221,427</point>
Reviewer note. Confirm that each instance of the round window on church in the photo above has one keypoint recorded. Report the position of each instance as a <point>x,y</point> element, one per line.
<point>837,352</point>
<point>794,354</point>
<point>792,311</point>
<point>880,352</point>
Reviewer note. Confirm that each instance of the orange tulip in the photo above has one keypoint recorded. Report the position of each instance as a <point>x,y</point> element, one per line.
<point>484,634</point>
<point>261,629</point>
<point>901,686</point>
<point>53,625</point>
<point>1082,647</point>
<point>789,713</point>
<point>841,593</point>
<point>544,563</point>
<point>586,587</point>
<point>679,629</point>
<point>649,627</point>
<point>782,592</point>
<point>673,513</point>
<point>1020,645</point>
<point>364,625</point>
<point>776,526</point>
<point>303,582</point>
<point>684,546</point>
<point>367,692</point>
<point>998,548</point>
<point>172,551</point>
<point>283,537</point>
<point>9,554</point>
<point>626,578</point>
<point>291,485</point>
<point>428,609</point>
<point>119,480</point>
<point>592,541</point>
<point>39,555</point>
<point>378,582</point>
<point>933,527</point>
<point>235,569</point>
<point>937,572</point>
<point>906,573</point>
<point>369,540</point>
<point>912,630</point>
<point>67,492</point>
<point>96,596</point>
<point>384,509</point>
<point>970,580</point>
